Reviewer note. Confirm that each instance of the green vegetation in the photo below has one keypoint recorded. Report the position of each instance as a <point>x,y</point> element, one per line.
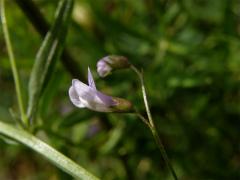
<point>189,51</point>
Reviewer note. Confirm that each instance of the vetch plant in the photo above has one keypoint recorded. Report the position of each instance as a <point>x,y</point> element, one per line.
<point>174,97</point>
<point>81,94</point>
<point>87,96</point>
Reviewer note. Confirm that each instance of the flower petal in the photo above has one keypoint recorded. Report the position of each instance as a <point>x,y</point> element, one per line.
<point>91,82</point>
<point>92,98</point>
<point>107,100</point>
<point>84,92</point>
<point>80,88</point>
<point>87,95</point>
<point>74,97</point>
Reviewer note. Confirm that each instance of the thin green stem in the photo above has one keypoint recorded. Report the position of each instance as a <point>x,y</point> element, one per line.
<point>151,124</point>
<point>163,152</point>
<point>13,64</point>
<point>144,120</point>
<point>51,154</point>
<point>144,95</point>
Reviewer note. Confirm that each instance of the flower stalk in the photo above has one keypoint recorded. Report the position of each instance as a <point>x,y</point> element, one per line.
<point>13,64</point>
<point>151,124</point>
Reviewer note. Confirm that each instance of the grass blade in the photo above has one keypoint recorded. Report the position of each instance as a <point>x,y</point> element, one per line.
<point>57,158</point>
<point>47,55</point>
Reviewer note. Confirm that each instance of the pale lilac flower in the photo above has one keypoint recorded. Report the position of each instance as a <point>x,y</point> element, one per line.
<point>109,63</point>
<point>87,96</point>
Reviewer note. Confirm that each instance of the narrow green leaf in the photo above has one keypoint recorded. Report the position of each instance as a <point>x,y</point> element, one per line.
<point>47,55</point>
<point>51,154</point>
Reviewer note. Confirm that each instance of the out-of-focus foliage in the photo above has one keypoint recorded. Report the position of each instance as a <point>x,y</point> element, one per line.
<point>47,55</point>
<point>190,53</point>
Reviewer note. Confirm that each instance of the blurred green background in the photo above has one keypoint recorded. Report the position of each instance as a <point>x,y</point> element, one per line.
<point>190,53</point>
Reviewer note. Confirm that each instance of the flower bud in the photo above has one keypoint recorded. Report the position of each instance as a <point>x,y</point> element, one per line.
<point>110,63</point>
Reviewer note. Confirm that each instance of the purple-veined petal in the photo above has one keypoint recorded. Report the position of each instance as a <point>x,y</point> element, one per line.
<point>91,82</point>
<point>91,98</point>
<point>107,100</point>
<point>80,87</point>
<point>83,95</point>
<point>74,97</point>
